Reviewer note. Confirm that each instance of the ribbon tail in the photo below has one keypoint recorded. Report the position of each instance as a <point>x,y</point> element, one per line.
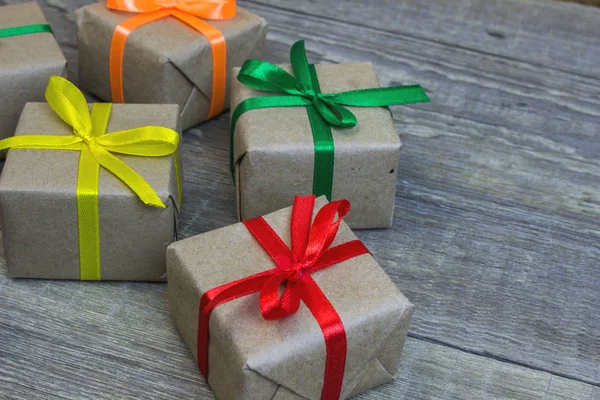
<point>42,142</point>
<point>380,97</point>
<point>146,141</point>
<point>126,174</point>
<point>337,254</point>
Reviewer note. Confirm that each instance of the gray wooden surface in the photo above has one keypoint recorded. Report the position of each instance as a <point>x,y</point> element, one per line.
<point>496,237</point>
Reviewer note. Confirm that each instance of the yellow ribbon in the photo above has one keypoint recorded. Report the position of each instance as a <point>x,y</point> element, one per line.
<point>96,146</point>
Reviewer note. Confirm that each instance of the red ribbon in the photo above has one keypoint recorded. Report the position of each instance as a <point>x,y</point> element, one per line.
<point>310,252</point>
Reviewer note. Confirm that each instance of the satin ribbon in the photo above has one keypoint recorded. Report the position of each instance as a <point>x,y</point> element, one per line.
<point>188,12</point>
<point>25,30</point>
<point>310,252</point>
<point>96,148</point>
<point>324,110</point>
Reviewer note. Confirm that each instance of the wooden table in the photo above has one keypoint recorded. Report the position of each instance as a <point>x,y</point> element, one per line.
<point>496,237</point>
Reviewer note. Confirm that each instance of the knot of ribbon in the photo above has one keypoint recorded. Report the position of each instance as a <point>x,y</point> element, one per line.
<point>97,148</point>
<point>207,9</point>
<point>188,12</point>
<point>310,252</point>
<point>324,109</point>
<point>304,259</point>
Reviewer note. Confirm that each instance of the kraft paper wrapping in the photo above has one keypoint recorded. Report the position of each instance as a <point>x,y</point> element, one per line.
<point>250,358</point>
<point>274,152</point>
<point>38,206</point>
<point>165,61</point>
<point>26,64</point>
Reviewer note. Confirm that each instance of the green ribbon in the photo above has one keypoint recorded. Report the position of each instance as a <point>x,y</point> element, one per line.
<point>324,109</point>
<point>24,30</point>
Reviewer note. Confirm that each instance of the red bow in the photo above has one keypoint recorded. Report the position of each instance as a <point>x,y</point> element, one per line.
<point>310,252</point>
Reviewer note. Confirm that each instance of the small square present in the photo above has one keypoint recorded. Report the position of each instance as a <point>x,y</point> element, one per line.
<point>325,130</point>
<point>179,52</point>
<point>90,196</point>
<point>29,55</point>
<point>337,328</point>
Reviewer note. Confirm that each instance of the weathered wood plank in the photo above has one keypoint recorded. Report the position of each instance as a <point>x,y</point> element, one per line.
<point>72,340</point>
<point>497,219</point>
<point>541,33</point>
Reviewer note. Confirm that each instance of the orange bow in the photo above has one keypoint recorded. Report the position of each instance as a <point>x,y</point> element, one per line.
<point>207,9</point>
<point>186,11</point>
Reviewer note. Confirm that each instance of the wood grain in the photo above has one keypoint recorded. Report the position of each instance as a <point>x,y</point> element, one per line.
<point>497,227</point>
<point>72,340</point>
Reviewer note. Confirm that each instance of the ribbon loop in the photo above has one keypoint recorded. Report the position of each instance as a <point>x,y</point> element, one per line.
<point>324,229</point>
<point>274,307</point>
<point>300,66</point>
<point>69,104</point>
<point>267,77</point>
<point>207,9</point>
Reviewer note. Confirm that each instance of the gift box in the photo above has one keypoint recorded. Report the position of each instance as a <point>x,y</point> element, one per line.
<point>167,59</point>
<point>29,55</point>
<point>337,328</point>
<point>326,130</point>
<point>90,197</point>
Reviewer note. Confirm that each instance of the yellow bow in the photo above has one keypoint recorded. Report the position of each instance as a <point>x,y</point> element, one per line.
<point>88,136</point>
<point>96,147</point>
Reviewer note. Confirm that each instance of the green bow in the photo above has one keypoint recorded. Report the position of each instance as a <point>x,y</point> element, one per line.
<point>324,109</point>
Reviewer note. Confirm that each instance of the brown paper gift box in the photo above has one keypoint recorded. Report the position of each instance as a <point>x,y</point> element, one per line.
<point>38,207</point>
<point>274,152</point>
<point>250,358</point>
<point>26,63</point>
<point>165,61</point>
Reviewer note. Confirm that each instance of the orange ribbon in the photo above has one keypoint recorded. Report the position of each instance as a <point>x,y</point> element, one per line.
<point>186,11</point>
